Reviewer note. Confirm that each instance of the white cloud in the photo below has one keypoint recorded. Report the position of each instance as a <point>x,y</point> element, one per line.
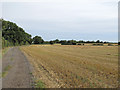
<point>86,16</point>
<point>66,9</point>
<point>59,0</point>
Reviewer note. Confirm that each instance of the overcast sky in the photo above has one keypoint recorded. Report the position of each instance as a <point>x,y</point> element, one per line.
<point>65,19</point>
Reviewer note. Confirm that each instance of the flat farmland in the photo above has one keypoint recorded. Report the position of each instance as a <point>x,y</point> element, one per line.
<point>69,66</point>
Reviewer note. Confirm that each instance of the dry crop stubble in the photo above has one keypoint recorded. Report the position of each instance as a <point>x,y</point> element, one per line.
<point>75,66</point>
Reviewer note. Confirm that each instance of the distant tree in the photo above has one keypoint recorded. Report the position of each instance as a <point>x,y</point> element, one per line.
<point>101,41</point>
<point>87,41</point>
<point>74,43</point>
<point>92,41</point>
<point>105,42</point>
<point>118,43</point>
<point>98,41</point>
<point>51,42</point>
<point>69,42</point>
<point>46,42</point>
<point>38,40</point>
<point>56,41</point>
<point>63,42</point>
<point>81,41</point>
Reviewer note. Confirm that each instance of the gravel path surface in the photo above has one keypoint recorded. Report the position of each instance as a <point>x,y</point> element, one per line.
<point>17,70</point>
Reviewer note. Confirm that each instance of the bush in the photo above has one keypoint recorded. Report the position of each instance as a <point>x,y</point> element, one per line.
<point>80,44</point>
<point>109,44</point>
<point>51,42</point>
<point>97,44</point>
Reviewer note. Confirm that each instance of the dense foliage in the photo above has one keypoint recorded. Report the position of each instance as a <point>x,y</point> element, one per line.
<point>38,40</point>
<point>52,42</point>
<point>118,43</point>
<point>73,42</point>
<point>14,35</point>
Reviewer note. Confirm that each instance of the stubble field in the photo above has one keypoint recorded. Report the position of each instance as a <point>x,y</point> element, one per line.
<point>74,66</point>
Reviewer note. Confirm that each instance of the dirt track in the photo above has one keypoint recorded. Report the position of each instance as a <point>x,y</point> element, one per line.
<point>17,70</point>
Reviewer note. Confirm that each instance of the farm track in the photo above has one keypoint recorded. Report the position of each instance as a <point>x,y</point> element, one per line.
<point>16,70</point>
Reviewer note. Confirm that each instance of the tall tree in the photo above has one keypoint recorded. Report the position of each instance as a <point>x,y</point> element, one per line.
<point>38,40</point>
<point>14,34</point>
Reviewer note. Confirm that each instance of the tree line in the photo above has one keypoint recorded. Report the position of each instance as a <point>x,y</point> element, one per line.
<point>39,40</point>
<point>13,35</point>
<point>73,42</point>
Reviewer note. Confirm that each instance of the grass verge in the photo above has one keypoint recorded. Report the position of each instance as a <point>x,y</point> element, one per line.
<point>39,84</point>
<point>7,68</point>
<point>4,51</point>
